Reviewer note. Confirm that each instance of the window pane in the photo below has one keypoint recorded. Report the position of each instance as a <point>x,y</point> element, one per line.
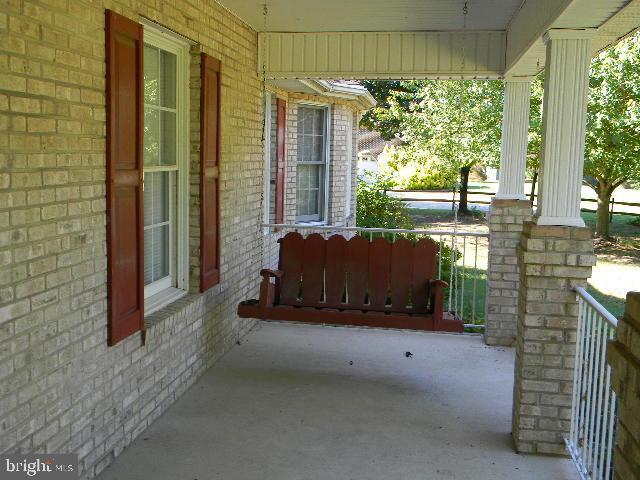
<point>167,79</point>
<point>151,75</point>
<point>311,134</point>
<point>318,124</point>
<point>303,201</point>
<point>160,252</point>
<point>302,181</point>
<point>307,125</point>
<point>156,254</point>
<point>314,176</point>
<point>161,197</point>
<point>168,138</point>
<point>156,197</point>
<point>151,136</point>
<point>313,204</point>
<point>148,199</point>
<point>148,251</point>
<point>318,149</point>
<point>307,152</point>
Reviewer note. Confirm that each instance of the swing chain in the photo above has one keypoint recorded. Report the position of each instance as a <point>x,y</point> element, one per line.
<point>465,11</point>
<point>265,12</point>
<point>453,283</point>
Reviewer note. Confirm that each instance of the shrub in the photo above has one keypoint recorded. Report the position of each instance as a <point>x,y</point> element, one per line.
<point>377,209</point>
<point>417,170</point>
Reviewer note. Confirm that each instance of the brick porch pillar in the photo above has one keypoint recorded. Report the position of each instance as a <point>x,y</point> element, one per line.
<point>509,210</point>
<point>553,260</point>
<point>623,355</point>
<point>506,220</point>
<point>555,254</point>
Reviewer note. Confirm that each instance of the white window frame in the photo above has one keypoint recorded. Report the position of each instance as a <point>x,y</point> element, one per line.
<point>324,214</point>
<point>165,291</point>
<point>268,98</point>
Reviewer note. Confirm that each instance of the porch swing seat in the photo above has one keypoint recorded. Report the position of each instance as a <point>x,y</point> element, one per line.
<point>354,282</point>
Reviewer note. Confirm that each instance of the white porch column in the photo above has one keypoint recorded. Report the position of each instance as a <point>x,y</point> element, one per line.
<point>555,255</point>
<point>515,129</point>
<point>563,126</point>
<point>509,210</point>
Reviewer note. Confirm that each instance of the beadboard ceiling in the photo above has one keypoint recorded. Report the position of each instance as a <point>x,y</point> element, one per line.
<point>372,15</point>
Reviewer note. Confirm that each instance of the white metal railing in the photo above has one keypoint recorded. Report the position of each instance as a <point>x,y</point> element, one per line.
<point>593,409</point>
<point>466,251</point>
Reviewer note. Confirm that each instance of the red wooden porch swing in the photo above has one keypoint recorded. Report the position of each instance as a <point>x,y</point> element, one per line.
<point>354,282</point>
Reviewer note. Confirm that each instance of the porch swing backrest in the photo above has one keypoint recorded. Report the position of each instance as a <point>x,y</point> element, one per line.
<point>357,274</point>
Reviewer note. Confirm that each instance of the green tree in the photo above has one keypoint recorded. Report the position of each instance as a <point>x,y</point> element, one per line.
<point>458,121</point>
<point>612,152</point>
<point>378,118</point>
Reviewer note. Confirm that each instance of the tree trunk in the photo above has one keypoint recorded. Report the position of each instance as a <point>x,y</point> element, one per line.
<point>602,214</point>
<point>534,181</point>
<point>463,206</point>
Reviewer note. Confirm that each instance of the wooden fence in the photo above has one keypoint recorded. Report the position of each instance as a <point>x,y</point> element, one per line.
<point>612,208</point>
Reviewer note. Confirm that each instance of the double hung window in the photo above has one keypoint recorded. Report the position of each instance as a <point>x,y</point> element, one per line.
<point>165,167</point>
<point>311,182</point>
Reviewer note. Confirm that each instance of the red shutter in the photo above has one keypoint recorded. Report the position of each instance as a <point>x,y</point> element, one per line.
<point>209,173</point>
<point>125,280</point>
<point>280,152</point>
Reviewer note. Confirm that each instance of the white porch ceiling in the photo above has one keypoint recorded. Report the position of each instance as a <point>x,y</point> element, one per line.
<point>421,38</point>
<point>372,15</point>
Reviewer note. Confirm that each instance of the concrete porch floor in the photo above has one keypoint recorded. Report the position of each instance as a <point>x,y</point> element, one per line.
<point>288,404</point>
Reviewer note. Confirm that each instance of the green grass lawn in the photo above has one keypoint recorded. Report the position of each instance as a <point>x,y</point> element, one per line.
<point>617,270</point>
<point>618,267</point>
<point>466,297</point>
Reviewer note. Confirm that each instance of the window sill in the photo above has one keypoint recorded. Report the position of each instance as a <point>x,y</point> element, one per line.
<point>162,299</point>
<point>313,223</point>
<point>162,322</point>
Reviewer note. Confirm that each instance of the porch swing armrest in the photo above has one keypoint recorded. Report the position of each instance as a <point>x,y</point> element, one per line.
<point>267,288</point>
<point>438,284</point>
<point>437,301</point>
<point>268,273</point>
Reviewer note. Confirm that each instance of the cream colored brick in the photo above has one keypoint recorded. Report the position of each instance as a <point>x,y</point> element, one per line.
<point>551,334</point>
<point>12,83</point>
<point>40,87</point>
<point>37,124</point>
<point>25,104</point>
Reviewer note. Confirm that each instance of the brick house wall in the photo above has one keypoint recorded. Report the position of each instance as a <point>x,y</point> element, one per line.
<point>341,206</point>
<point>340,111</point>
<point>62,389</point>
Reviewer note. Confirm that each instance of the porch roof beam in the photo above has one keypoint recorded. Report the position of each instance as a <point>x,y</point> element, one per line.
<point>372,55</point>
<point>525,51</point>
